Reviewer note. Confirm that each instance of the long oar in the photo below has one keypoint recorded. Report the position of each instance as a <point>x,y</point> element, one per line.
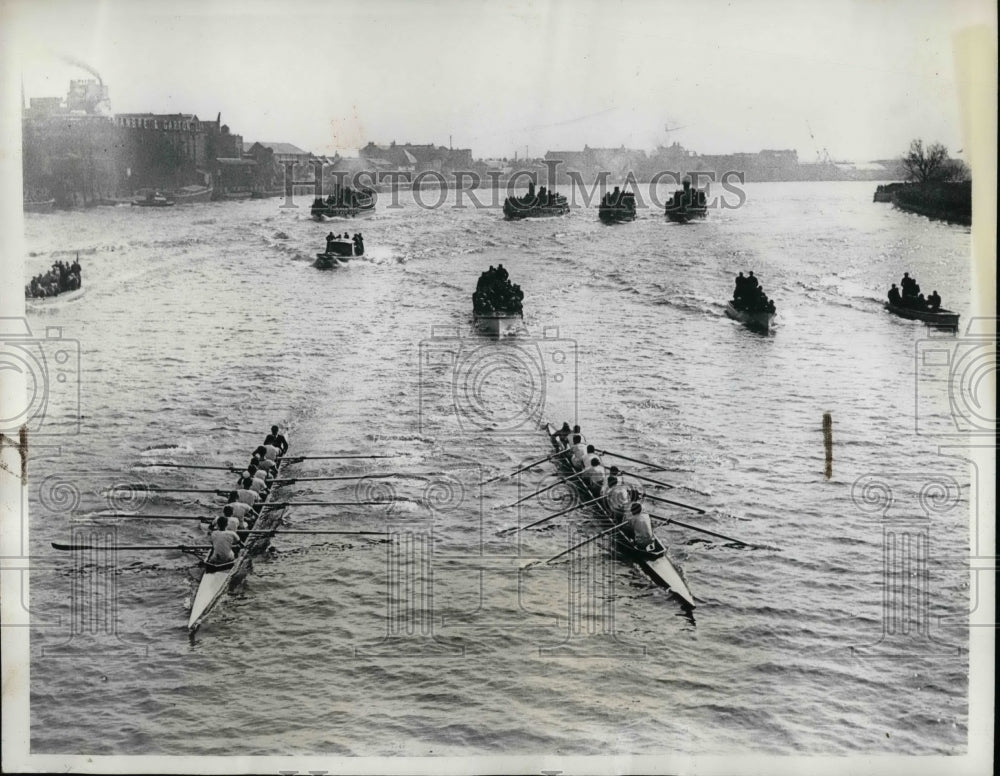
<point>525,468</point>
<point>702,530</point>
<point>299,458</point>
<point>576,546</point>
<point>318,533</point>
<point>549,517</point>
<point>157,489</point>
<point>538,492</point>
<point>150,517</point>
<point>633,460</point>
<point>350,477</point>
<point>190,466</point>
<point>650,479</point>
<point>283,504</point>
<point>79,547</point>
<point>699,510</point>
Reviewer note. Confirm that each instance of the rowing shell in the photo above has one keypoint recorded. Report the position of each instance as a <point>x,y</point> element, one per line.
<point>217,579</point>
<point>654,562</point>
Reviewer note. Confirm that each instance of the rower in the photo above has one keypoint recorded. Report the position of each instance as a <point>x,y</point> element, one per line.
<point>250,482</point>
<point>616,497</point>
<point>642,529</point>
<point>279,440</point>
<point>594,476</point>
<point>576,430</point>
<point>262,462</point>
<point>225,543</point>
<point>245,494</point>
<point>271,452</point>
<point>233,523</point>
<point>239,509</point>
<point>563,434</point>
<point>578,452</point>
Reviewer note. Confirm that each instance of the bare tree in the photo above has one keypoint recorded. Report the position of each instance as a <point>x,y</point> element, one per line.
<point>926,165</point>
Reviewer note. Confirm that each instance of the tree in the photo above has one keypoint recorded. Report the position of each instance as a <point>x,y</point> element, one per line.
<point>926,165</point>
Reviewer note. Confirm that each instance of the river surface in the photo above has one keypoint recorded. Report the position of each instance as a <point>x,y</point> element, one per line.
<point>843,630</point>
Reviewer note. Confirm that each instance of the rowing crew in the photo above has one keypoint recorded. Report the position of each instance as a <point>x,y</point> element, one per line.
<point>243,508</point>
<point>622,499</point>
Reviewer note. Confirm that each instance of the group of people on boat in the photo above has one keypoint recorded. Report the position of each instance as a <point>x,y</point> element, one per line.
<point>496,294</point>
<point>343,196</point>
<point>357,239</point>
<point>621,496</point>
<point>749,295</point>
<point>618,199</point>
<point>230,529</point>
<point>543,198</point>
<point>687,197</point>
<point>62,277</point>
<point>911,297</point>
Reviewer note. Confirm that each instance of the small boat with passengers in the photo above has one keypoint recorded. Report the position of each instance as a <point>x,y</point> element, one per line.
<point>750,305</point>
<point>543,204</point>
<point>687,204</point>
<point>909,303</point>
<point>344,202</point>
<point>340,249</point>
<point>497,303</point>
<point>617,207</point>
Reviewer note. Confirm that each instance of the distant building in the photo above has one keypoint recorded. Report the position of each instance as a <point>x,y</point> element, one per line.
<point>414,158</point>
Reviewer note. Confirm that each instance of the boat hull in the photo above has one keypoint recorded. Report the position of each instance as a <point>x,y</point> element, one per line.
<point>655,563</point>
<point>686,215</point>
<point>500,325</point>
<point>758,321</point>
<point>944,319</point>
<point>615,215</point>
<point>513,213</point>
<point>330,261</point>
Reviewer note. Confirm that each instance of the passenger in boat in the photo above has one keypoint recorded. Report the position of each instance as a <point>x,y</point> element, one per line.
<point>225,543</point>
<point>921,303</point>
<point>642,529</point>
<point>594,476</point>
<point>907,284</point>
<point>279,439</point>
<point>359,245</point>
<point>752,281</point>
<point>934,301</point>
<point>894,297</point>
<point>329,242</point>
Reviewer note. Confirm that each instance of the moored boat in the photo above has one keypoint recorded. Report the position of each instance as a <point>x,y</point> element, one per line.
<point>153,199</point>
<point>940,318</point>
<point>760,320</point>
<point>544,204</point>
<point>216,579</point>
<point>187,195</point>
<point>617,207</point>
<point>687,204</point>
<point>654,560</point>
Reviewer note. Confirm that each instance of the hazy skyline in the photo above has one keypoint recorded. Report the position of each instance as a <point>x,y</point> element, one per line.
<point>866,77</point>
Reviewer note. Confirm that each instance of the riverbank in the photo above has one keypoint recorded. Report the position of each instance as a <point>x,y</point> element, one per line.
<point>951,202</point>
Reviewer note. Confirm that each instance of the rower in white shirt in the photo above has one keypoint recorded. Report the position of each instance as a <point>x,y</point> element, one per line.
<point>594,475</point>
<point>225,543</point>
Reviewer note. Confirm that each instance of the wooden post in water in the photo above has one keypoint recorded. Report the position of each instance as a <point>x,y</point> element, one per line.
<point>828,442</point>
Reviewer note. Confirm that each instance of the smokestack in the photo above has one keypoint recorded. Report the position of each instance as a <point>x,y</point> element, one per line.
<point>83,66</point>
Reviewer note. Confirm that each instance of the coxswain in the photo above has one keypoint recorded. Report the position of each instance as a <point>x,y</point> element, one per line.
<point>279,440</point>
<point>593,476</point>
<point>225,543</point>
<point>894,297</point>
<point>642,529</point>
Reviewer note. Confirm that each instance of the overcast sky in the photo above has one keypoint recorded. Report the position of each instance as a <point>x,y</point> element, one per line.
<point>498,77</point>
